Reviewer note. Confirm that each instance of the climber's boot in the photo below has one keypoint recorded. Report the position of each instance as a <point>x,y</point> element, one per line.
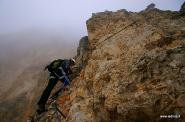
<point>41,109</point>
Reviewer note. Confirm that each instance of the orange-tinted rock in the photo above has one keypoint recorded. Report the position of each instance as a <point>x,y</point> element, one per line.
<point>135,68</point>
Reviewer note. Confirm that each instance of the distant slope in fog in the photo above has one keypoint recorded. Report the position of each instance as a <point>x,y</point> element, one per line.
<point>31,48</point>
<point>23,55</point>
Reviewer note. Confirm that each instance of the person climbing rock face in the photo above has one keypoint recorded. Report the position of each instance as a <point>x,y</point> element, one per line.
<point>58,69</point>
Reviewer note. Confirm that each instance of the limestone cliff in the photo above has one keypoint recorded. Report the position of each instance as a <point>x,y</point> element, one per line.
<point>135,68</point>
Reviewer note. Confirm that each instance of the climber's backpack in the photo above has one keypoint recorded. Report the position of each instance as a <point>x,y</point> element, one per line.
<point>53,66</point>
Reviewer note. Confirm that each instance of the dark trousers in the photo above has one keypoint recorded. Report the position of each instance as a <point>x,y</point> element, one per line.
<point>46,93</point>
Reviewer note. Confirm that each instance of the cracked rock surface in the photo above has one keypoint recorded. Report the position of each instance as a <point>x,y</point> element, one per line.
<point>135,68</point>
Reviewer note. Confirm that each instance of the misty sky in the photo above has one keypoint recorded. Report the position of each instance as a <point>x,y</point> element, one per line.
<point>66,15</point>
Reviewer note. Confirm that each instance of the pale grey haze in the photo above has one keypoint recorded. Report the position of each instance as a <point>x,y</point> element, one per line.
<point>34,32</point>
<point>66,15</point>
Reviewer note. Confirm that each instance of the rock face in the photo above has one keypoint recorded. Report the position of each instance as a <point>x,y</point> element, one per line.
<point>135,68</point>
<point>150,7</point>
<point>82,53</point>
<point>182,10</point>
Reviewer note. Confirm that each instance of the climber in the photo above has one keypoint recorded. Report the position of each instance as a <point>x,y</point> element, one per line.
<point>59,70</point>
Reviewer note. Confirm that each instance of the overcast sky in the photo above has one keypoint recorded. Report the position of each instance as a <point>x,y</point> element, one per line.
<point>67,15</point>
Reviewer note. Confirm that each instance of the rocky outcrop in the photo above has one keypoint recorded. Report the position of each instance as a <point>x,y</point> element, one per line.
<point>150,7</point>
<point>82,53</point>
<point>135,68</point>
<point>182,8</point>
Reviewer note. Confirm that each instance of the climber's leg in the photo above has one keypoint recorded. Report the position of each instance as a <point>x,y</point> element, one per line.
<point>46,93</point>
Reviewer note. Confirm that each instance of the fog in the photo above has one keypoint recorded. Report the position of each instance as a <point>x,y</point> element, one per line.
<point>34,32</point>
<point>25,50</point>
<point>66,15</point>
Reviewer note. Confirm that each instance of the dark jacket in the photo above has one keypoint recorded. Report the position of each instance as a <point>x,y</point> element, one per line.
<point>65,64</point>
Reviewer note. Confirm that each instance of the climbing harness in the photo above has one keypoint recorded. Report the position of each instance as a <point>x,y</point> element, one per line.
<point>65,83</point>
